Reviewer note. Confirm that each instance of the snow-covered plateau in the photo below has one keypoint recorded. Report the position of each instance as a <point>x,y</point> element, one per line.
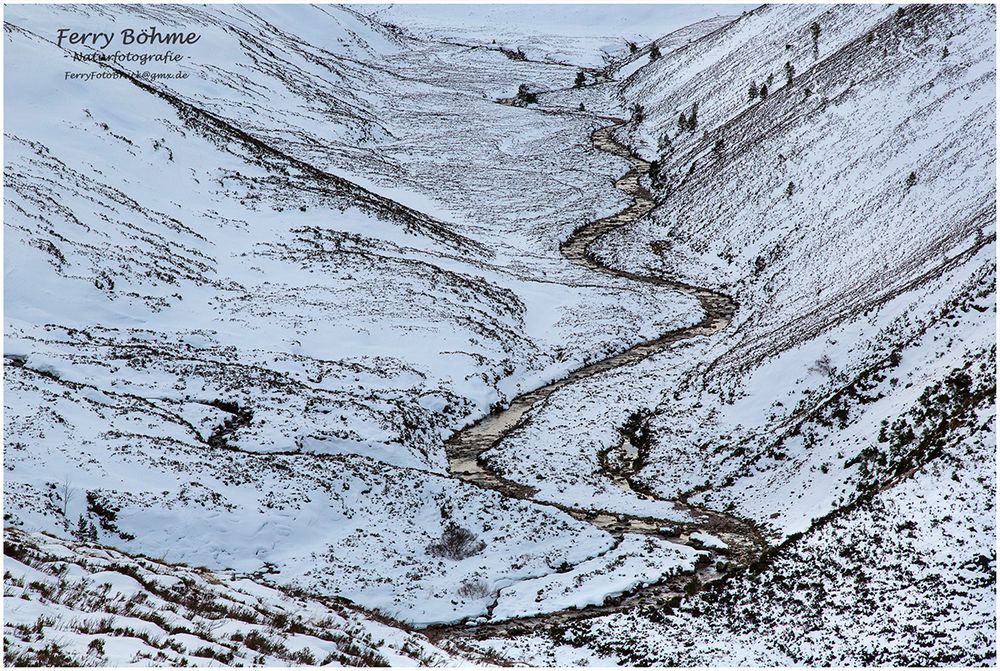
<point>381,335</point>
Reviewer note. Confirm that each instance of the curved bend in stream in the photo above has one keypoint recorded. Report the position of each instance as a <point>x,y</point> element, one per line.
<point>465,447</point>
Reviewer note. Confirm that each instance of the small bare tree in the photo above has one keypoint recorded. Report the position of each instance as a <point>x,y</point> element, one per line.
<point>824,366</point>
<point>455,543</point>
<point>474,589</point>
<point>65,492</point>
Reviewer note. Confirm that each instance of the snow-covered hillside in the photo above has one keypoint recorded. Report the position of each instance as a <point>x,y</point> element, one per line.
<point>260,298</point>
<point>70,604</point>
<point>851,214</point>
<point>250,313</point>
<point>849,408</point>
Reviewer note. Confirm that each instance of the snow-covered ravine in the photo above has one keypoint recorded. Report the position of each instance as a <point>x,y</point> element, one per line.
<point>717,541</point>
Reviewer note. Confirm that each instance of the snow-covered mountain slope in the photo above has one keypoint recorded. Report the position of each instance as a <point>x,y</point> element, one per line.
<point>74,604</point>
<point>855,272</point>
<point>627,65</point>
<point>858,372</point>
<point>855,292</point>
<point>871,167</point>
<point>903,578</point>
<point>244,309</point>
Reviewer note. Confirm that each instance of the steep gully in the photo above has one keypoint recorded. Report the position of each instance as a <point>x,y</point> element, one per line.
<point>465,448</point>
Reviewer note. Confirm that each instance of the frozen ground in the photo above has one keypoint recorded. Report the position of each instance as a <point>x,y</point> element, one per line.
<point>69,604</point>
<point>244,311</point>
<point>849,410</point>
<point>262,361</point>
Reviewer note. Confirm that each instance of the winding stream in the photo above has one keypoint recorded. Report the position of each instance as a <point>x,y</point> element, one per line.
<point>464,448</point>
